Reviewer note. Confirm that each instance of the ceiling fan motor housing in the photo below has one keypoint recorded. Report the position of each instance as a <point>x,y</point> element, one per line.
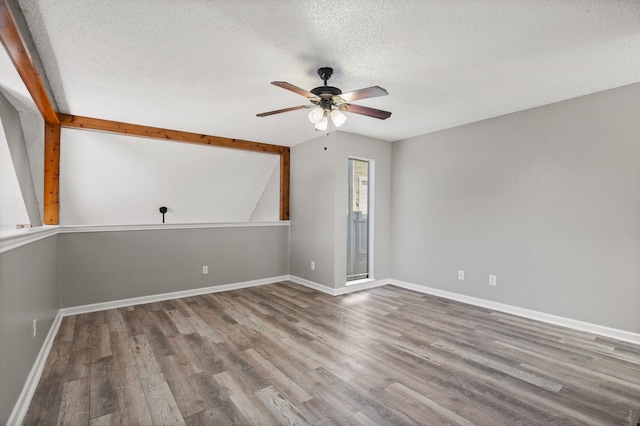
<point>326,91</point>
<point>326,95</point>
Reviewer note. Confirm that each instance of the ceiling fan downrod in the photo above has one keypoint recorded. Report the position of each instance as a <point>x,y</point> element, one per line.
<point>325,74</point>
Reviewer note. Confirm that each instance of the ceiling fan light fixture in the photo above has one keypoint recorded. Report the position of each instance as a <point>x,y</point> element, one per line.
<point>323,123</point>
<point>338,118</point>
<point>316,114</point>
<point>328,101</point>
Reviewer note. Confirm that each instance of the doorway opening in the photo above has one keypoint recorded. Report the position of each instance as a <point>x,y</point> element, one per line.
<point>358,229</point>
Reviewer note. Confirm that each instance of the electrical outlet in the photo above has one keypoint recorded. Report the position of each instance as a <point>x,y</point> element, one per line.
<point>205,270</point>
<point>461,275</point>
<point>493,280</point>
<point>35,327</point>
<point>313,265</point>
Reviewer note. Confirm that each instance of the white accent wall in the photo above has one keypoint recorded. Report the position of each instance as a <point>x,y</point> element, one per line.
<point>109,179</point>
<point>19,203</point>
<point>12,207</point>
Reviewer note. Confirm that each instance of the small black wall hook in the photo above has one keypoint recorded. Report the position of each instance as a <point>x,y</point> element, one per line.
<point>163,210</point>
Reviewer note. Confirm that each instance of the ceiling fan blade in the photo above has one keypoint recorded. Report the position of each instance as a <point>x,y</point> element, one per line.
<point>278,111</point>
<point>368,92</point>
<point>363,110</point>
<point>294,89</point>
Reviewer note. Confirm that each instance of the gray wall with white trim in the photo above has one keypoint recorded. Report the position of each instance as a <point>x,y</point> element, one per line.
<point>547,199</point>
<point>28,290</point>
<point>319,200</point>
<point>100,267</point>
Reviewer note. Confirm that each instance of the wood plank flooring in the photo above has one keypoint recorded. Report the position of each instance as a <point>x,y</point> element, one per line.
<point>285,354</point>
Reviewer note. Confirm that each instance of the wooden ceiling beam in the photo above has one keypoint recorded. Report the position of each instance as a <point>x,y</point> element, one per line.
<point>100,125</point>
<point>17,50</point>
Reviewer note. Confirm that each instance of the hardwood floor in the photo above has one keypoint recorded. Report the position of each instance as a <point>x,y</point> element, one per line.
<point>285,354</point>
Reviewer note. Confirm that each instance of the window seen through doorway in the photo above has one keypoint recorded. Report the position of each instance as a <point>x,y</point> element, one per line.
<point>358,221</point>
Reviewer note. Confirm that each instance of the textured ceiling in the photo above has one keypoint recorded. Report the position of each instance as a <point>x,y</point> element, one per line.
<point>205,66</point>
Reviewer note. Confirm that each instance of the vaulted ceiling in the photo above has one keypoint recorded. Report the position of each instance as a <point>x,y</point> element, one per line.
<point>205,66</point>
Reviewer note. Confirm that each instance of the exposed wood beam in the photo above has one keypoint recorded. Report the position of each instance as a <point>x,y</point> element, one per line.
<point>17,50</point>
<point>51,174</point>
<point>96,124</point>
<point>285,157</point>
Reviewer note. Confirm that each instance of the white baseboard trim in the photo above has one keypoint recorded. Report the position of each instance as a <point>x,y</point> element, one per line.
<point>29,389</point>
<point>312,284</point>
<point>94,307</point>
<point>362,286</point>
<point>613,333</point>
<point>341,290</point>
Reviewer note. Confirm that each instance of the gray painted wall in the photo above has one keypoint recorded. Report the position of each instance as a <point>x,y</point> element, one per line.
<point>312,209</point>
<point>28,290</point>
<point>547,199</point>
<point>107,266</point>
<point>319,206</point>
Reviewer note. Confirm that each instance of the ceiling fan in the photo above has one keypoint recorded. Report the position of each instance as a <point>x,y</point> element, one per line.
<point>328,101</point>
